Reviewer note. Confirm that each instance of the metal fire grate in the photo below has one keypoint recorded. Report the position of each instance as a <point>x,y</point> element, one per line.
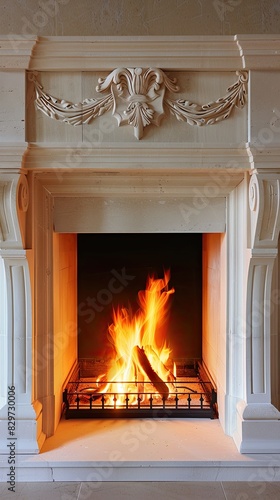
<point>192,397</point>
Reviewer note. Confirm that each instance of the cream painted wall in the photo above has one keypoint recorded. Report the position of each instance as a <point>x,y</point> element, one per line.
<point>145,17</point>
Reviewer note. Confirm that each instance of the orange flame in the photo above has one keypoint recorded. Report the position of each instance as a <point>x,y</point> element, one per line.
<point>144,329</point>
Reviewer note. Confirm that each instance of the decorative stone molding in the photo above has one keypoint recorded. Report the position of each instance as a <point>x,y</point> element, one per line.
<point>16,50</point>
<point>11,155</point>
<point>105,52</point>
<point>265,158</point>
<point>259,52</point>
<point>223,53</point>
<point>259,281</point>
<point>264,226</point>
<point>264,196</point>
<point>264,192</point>
<point>137,98</point>
<point>16,352</point>
<point>10,236</point>
<point>226,162</point>
<point>253,196</point>
<point>185,200</point>
<point>23,194</point>
<point>189,52</point>
<point>265,411</point>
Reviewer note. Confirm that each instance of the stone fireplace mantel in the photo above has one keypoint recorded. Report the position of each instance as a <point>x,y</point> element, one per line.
<point>170,175</point>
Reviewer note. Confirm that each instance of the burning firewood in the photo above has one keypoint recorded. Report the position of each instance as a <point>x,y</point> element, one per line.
<point>142,360</point>
<point>151,354</point>
<point>93,392</point>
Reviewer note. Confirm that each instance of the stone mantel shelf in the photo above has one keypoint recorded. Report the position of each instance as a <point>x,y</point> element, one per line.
<point>191,53</point>
<point>21,156</point>
<point>129,157</point>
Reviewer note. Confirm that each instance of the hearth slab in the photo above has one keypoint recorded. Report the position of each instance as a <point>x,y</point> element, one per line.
<point>142,450</point>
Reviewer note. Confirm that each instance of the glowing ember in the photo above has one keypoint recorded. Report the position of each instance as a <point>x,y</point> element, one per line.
<point>141,352</point>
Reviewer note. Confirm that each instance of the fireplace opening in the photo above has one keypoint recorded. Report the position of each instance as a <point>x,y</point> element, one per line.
<point>139,305</point>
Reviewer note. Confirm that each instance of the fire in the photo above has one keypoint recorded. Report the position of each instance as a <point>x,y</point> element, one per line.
<point>141,351</point>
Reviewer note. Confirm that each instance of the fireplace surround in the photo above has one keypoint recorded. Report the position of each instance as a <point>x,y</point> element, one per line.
<point>152,173</point>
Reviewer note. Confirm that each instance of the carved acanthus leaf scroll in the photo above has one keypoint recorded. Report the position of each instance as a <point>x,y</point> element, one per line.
<point>214,111</point>
<point>64,111</point>
<point>136,97</point>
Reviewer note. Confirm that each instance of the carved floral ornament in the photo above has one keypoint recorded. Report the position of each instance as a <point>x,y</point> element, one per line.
<point>136,97</point>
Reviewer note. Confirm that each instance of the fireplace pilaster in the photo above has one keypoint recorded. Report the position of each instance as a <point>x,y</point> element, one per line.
<point>258,421</point>
<point>17,370</point>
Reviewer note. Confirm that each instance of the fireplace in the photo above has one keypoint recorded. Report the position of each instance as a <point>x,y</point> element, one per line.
<point>150,175</point>
<point>140,328</point>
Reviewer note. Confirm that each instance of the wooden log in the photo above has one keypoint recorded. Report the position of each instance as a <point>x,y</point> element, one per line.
<point>169,377</point>
<point>141,358</point>
<point>94,393</point>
